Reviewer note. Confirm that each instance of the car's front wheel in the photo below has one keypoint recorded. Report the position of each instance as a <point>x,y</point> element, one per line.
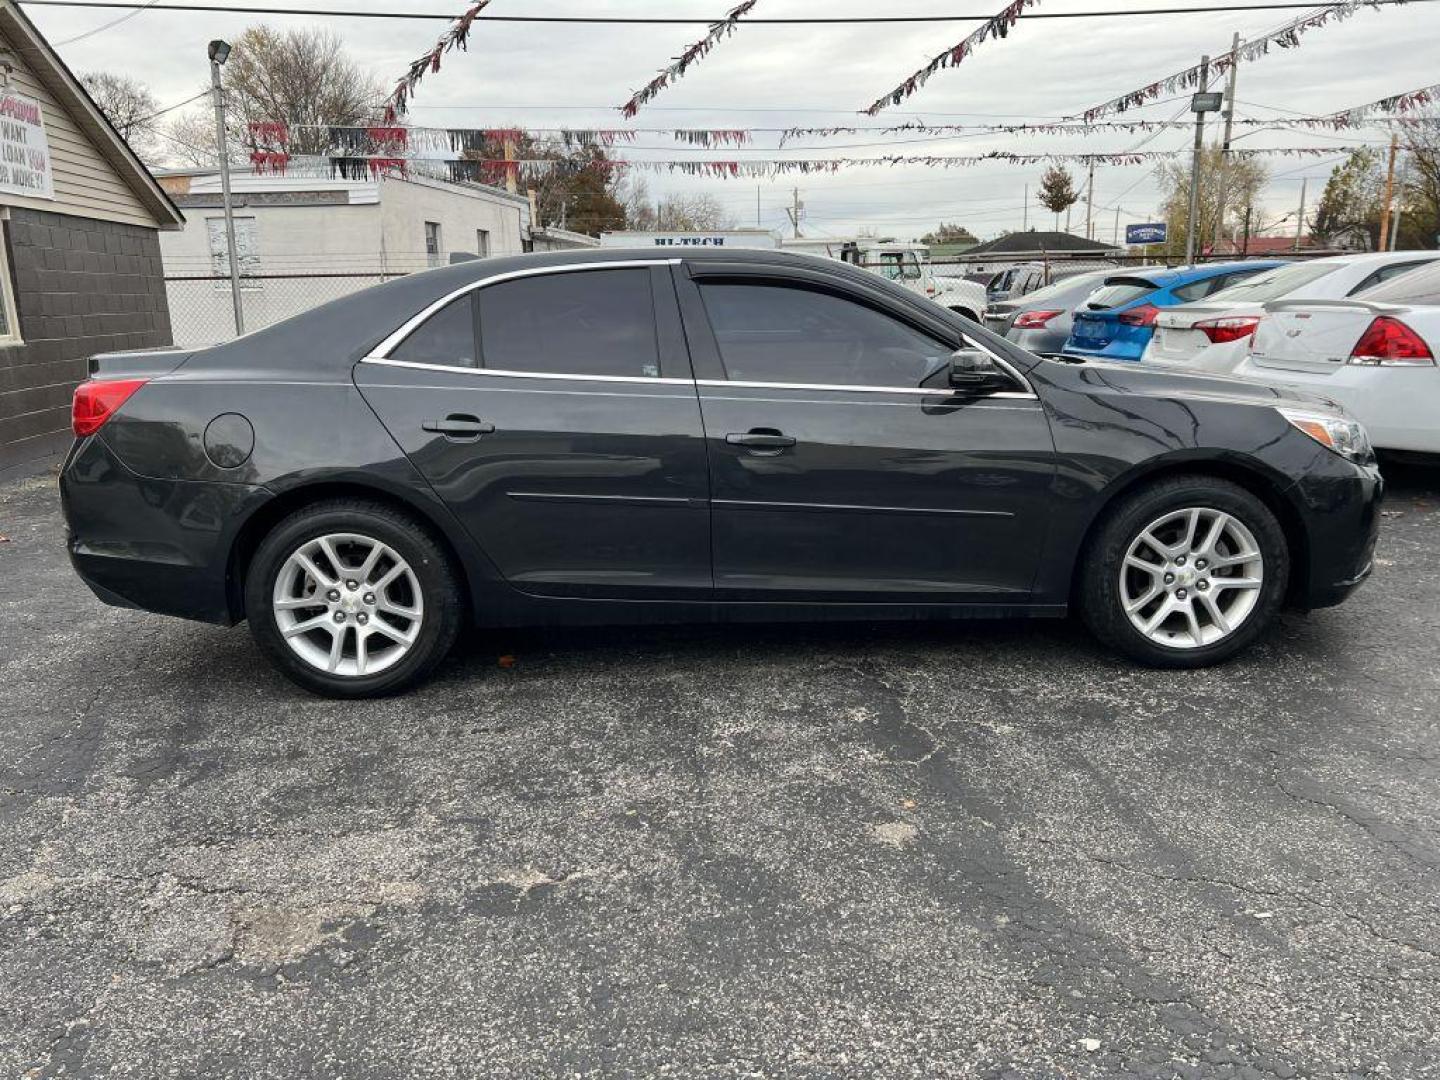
<point>1185,572</point>
<point>351,598</point>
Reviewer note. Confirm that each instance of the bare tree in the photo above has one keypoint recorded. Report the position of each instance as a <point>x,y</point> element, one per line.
<point>1244,179</point>
<point>130,107</point>
<point>302,77</point>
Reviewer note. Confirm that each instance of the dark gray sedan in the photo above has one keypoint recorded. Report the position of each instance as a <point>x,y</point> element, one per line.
<point>1040,321</point>
<point>620,436</point>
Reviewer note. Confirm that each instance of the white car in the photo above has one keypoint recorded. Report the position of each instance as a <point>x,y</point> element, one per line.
<point>963,297</point>
<point>1374,354</point>
<point>1214,334</point>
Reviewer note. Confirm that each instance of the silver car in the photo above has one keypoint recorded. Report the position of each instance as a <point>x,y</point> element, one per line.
<point>1040,321</point>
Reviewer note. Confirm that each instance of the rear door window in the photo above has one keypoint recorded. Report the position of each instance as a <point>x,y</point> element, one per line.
<point>583,323</point>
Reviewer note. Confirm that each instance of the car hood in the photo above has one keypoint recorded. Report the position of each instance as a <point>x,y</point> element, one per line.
<point>1160,382</point>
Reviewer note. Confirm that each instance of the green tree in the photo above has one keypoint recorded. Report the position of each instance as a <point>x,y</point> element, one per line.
<point>1057,191</point>
<point>949,234</point>
<point>1239,181</point>
<point>1349,210</point>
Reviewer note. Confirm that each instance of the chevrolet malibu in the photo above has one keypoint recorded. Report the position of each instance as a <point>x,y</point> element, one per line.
<point>616,437</point>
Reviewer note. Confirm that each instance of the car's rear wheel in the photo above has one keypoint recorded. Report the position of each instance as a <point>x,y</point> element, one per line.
<point>351,598</point>
<point>1185,572</point>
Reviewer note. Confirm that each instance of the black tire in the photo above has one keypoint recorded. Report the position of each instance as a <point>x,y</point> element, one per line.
<point>438,580</point>
<point>1099,591</point>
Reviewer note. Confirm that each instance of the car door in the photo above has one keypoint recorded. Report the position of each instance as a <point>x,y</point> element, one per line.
<point>554,410</point>
<point>834,474</point>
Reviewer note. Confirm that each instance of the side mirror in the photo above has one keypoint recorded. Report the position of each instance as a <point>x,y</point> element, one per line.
<point>973,371</point>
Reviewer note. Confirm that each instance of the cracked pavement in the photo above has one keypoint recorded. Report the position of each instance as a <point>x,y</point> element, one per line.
<point>980,850</point>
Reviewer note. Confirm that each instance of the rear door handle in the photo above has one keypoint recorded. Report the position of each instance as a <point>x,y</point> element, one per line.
<point>459,426</point>
<point>760,440</point>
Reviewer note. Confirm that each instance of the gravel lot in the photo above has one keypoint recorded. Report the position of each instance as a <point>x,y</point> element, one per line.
<point>978,850</point>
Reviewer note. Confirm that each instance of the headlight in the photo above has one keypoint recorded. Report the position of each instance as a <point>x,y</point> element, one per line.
<point>1346,437</point>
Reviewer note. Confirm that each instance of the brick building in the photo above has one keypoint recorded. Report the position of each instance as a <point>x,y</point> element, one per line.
<point>80,265</point>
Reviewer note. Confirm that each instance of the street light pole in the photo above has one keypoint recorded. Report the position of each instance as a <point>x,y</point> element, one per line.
<point>219,53</point>
<point>1201,103</point>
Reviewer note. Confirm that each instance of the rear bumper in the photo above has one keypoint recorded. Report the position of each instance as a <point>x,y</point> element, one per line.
<point>1342,507</point>
<point>158,545</point>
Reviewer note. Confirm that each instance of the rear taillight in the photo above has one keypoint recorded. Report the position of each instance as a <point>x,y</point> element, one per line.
<point>1235,328</point>
<point>1144,315</point>
<point>1033,320</point>
<point>96,402</point>
<point>1389,342</point>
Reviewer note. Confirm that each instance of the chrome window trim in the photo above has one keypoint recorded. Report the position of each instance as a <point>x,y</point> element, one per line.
<point>394,339</point>
<point>1013,395</point>
<point>507,374</point>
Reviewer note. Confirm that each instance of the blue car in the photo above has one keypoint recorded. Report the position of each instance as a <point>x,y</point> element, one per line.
<point>1116,321</point>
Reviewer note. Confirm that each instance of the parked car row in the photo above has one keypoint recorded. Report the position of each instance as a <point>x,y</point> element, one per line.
<point>1361,329</point>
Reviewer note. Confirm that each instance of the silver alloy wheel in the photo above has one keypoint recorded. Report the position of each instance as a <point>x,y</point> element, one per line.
<point>348,605</point>
<point>1191,578</point>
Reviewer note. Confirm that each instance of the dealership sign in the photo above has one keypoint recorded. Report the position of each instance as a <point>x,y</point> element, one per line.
<point>24,150</point>
<point>1153,233</point>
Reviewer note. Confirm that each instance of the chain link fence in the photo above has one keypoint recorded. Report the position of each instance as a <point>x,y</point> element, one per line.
<point>202,313</point>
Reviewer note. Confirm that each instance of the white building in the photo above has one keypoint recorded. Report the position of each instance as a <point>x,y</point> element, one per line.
<point>304,240</point>
<point>729,238</point>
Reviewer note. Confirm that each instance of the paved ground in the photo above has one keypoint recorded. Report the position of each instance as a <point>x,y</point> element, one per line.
<point>975,851</point>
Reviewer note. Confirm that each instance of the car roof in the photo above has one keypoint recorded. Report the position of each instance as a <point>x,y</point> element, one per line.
<point>1178,275</point>
<point>344,330</point>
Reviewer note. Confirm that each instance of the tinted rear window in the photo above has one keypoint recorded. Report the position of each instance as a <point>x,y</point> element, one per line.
<point>1273,284</point>
<point>1420,286</point>
<point>1119,291</point>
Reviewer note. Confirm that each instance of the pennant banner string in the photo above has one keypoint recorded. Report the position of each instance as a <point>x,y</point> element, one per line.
<point>692,55</point>
<point>997,26</point>
<point>457,36</point>
<point>1286,37</point>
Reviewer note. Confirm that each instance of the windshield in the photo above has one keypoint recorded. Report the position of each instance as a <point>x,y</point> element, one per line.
<point>1273,284</point>
<point>900,265</point>
<point>1420,286</point>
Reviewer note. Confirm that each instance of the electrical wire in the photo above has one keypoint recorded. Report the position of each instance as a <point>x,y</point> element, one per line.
<point>621,20</point>
<point>138,8</point>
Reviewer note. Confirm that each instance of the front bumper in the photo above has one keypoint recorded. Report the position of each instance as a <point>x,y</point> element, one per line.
<point>159,545</point>
<point>1342,508</point>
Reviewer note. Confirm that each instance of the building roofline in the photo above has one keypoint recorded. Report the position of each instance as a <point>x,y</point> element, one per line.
<point>68,90</point>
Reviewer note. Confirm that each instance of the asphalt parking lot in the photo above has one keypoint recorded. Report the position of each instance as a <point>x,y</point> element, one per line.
<point>978,850</point>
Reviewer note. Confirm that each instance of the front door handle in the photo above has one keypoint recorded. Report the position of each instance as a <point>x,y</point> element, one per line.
<point>459,426</point>
<point>760,439</point>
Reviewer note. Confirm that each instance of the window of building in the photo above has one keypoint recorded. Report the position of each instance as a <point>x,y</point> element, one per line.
<point>784,334</point>
<point>594,322</point>
<point>447,337</point>
<point>482,243</point>
<point>247,251</point>
<point>432,243</point>
<point>9,324</point>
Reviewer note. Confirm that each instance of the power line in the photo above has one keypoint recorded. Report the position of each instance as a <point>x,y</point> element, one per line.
<point>138,8</point>
<point>138,5</point>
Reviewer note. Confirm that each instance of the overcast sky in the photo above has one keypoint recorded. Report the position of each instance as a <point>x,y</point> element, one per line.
<point>545,75</point>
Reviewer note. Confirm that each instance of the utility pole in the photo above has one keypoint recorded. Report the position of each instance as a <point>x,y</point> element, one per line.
<point>1025,221</point>
<point>757,206</point>
<point>1389,194</point>
<point>1193,220</point>
<point>1090,201</point>
<point>1399,202</point>
<point>1222,180</point>
<point>219,53</point>
<point>1115,236</point>
<point>796,206</point>
<point>1300,222</point>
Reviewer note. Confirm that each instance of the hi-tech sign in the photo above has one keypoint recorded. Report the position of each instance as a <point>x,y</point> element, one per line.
<point>1152,233</point>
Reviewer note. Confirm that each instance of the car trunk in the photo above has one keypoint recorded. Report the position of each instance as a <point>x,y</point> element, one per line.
<point>998,316</point>
<point>138,363</point>
<point>1313,337</point>
<point>1175,338</point>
